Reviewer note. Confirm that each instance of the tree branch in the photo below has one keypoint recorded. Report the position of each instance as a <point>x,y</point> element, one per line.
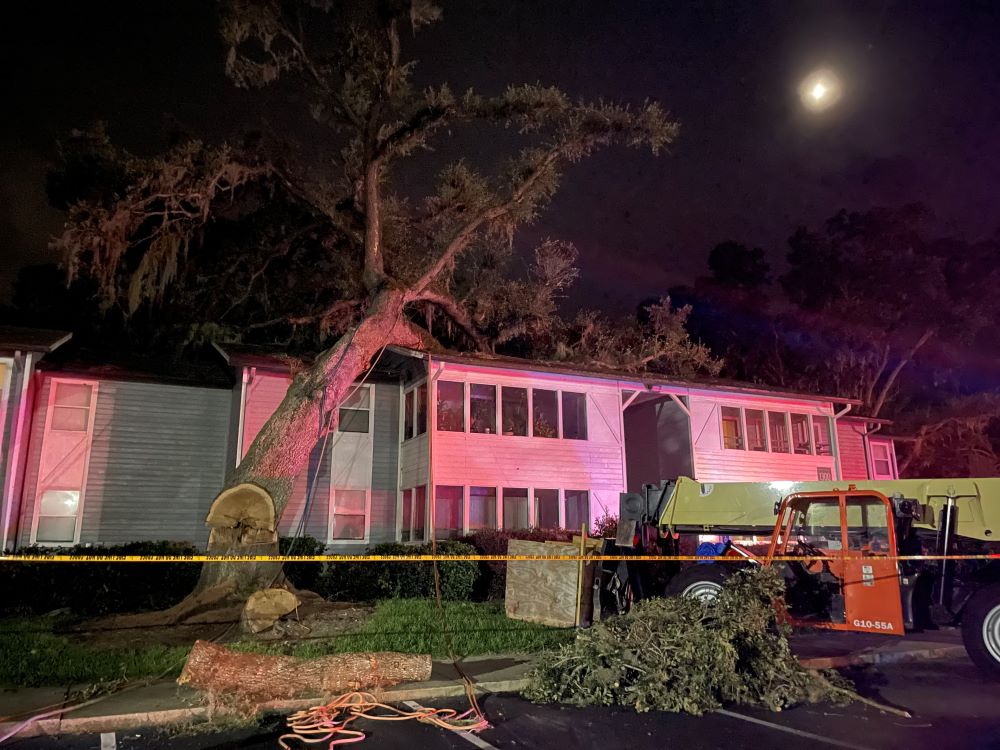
<point>461,240</point>
<point>903,362</point>
<point>456,312</point>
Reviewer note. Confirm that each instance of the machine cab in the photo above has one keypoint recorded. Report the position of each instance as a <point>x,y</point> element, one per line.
<point>849,579</point>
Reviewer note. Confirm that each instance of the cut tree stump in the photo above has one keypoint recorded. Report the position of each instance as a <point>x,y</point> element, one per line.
<point>258,677</point>
<point>264,608</point>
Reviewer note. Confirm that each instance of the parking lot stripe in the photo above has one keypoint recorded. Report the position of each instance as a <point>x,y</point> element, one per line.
<point>108,741</point>
<point>467,736</point>
<point>790,730</point>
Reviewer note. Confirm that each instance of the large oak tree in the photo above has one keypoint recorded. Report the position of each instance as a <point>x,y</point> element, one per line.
<point>355,255</point>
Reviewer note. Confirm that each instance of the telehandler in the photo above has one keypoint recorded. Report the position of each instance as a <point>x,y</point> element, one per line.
<point>865,545</point>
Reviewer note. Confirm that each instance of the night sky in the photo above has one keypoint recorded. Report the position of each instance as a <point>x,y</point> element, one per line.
<point>919,120</point>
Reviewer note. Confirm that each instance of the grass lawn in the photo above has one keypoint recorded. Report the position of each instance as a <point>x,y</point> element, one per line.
<point>415,626</point>
<point>32,655</point>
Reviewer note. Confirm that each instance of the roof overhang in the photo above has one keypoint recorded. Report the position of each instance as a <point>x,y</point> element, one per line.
<point>38,340</point>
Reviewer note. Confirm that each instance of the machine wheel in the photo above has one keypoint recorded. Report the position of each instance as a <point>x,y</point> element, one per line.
<point>981,629</point>
<point>702,581</point>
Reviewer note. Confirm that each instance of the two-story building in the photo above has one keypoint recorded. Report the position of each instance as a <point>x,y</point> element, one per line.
<point>427,444</point>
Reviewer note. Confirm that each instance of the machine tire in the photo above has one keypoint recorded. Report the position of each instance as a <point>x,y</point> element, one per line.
<point>981,629</point>
<point>702,581</point>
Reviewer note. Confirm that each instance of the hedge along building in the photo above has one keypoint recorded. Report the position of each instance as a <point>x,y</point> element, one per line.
<point>118,454</point>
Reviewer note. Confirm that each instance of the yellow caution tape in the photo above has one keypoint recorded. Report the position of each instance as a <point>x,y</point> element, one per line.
<point>455,558</point>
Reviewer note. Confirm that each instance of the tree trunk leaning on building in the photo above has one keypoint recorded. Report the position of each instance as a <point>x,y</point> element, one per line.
<point>404,259</point>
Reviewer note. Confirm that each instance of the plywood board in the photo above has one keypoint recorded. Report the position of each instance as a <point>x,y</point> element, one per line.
<point>545,591</point>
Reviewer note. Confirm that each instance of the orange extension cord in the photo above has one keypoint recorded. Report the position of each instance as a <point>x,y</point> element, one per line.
<point>331,723</point>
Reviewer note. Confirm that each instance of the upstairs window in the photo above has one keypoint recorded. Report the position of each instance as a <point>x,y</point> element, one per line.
<point>71,407</point>
<point>450,406</point>
<point>421,425</point>
<point>778,431</point>
<point>514,411</point>
<point>408,414</point>
<point>801,442</point>
<point>574,415</point>
<point>821,436</point>
<point>756,431</point>
<point>483,409</point>
<point>354,411</point>
<point>732,427</point>
<point>545,417</point>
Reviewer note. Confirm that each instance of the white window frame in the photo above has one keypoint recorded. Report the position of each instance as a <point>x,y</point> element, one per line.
<point>497,414</point>
<point>498,495</point>
<point>743,428</point>
<point>746,430</point>
<point>809,430</point>
<point>829,435</point>
<point>399,515</point>
<point>411,393</point>
<point>89,437</point>
<point>788,433</point>
<point>370,410</point>
<point>368,515</point>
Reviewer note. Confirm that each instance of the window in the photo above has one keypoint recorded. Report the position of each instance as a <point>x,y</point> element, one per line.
<point>821,436</point>
<point>547,509</point>
<point>577,509</point>
<point>57,515</point>
<point>482,508</point>
<point>867,525</point>
<point>349,515</point>
<point>408,414</point>
<point>732,427</point>
<point>71,407</point>
<point>514,408</point>
<point>800,434</point>
<point>778,424</point>
<point>414,513</point>
<point>881,461</point>
<point>483,408</point>
<point>448,521</point>
<point>545,419</point>
<point>515,509</point>
<point>450,406</point>
<point>421,409</point>
<point>574,416</point>
<point>354,411</point>
<point>756,433</point>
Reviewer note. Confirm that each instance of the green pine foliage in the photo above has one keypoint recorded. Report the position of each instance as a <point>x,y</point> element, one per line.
<point>685,655</point>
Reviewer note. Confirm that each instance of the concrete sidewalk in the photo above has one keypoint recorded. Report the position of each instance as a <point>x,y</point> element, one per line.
<point>164,702</point>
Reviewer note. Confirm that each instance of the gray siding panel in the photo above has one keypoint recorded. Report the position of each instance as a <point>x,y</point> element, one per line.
<point>385,464</point>
<point>157,461</point>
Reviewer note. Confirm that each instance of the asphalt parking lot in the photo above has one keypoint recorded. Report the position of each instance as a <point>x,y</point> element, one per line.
<point>951,703</point>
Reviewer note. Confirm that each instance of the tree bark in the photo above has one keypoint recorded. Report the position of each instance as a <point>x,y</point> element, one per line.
<point>903,362</point>
<point>258,677</point>
<point>281,449</point>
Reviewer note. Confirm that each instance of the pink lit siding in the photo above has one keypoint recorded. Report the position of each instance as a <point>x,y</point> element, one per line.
<point>851,441</point>
<point>34,457</point>
<point>594,464</point>
<point>713,463</point>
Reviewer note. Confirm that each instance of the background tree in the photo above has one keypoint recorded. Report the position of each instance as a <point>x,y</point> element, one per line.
<point>390,263</point>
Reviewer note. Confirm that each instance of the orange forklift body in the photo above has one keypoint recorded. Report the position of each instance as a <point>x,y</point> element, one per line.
<point>852,535</point>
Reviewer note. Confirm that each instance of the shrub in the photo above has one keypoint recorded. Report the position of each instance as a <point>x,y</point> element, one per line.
<point>368,581</point>
<point>93,589</point>
<point>683,654</point>
<point>606,527</point>
<point>303,575</point>
<point>492,581</point>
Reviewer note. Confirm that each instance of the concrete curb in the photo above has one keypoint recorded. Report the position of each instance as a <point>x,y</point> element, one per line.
<point>867,658</point>
<point>174,716</point>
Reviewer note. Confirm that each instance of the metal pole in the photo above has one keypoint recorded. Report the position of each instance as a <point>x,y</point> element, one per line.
<point>579,582</point>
